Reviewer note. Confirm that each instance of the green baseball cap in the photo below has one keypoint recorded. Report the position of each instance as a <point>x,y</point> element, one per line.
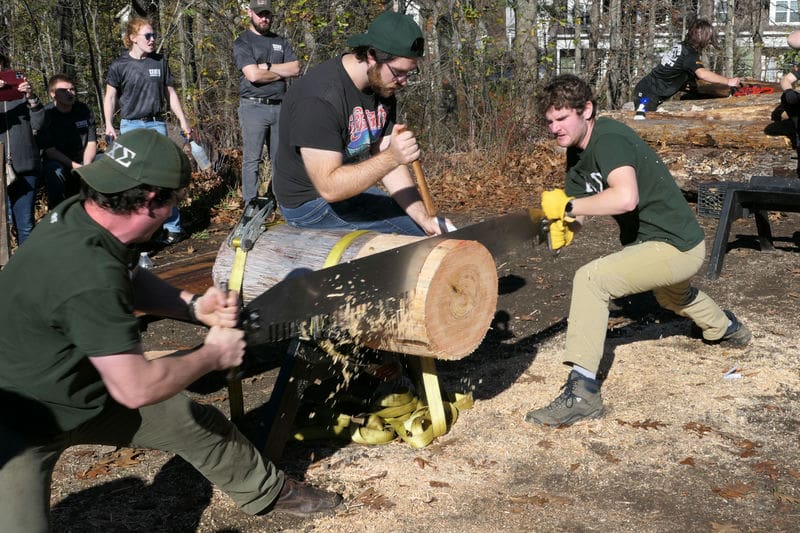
<point>139,157</point>
<point>393,33</point>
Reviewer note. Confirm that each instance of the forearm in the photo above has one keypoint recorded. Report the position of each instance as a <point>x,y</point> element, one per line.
<point>711,77</point>
<point>109,103</point>
<point>264,73</point>
<point>57,155</point>
<point>134,382</point>
<point>156,297</point>
<point>177,109</point>
<point>787,82</point>
<point>89,152</point>
<point>336,182</point>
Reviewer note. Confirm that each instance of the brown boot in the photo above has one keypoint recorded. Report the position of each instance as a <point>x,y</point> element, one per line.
<point>301,499</point>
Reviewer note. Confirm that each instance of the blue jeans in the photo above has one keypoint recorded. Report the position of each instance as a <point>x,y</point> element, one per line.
<point>371,210</point>
<point>173,223</point>
<point>59,182</point>
<point>256,120</point>
<point>21,205</point>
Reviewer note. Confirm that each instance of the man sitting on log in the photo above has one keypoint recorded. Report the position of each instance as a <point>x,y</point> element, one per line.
<point>339,137</point>
<point>73,367</point>
<point>611,171</point>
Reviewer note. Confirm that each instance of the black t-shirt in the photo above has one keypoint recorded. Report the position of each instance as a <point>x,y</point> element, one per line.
<point>677,66</point>
<point>251,49</point>
<point>69,132</point>
<point>325,110</point>
<point>141,84</point>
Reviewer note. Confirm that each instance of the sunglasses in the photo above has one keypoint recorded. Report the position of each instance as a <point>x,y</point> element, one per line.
<point>149,36</point>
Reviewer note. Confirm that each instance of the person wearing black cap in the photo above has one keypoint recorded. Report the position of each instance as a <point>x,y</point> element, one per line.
<point>265,61</point>
<point>339,137</point>
<point>73,367</point>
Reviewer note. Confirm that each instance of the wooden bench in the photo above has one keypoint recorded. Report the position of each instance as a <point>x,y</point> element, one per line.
<point>761,195</point>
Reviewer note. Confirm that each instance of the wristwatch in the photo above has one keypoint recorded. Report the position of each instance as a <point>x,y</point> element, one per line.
<point>269,66</point>
<point>568,208</point>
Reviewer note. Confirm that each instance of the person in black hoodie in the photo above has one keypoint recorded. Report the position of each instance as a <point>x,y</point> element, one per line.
<point>20,115</point>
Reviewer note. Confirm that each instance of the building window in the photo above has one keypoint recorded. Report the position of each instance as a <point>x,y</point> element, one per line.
<point>785,11</point>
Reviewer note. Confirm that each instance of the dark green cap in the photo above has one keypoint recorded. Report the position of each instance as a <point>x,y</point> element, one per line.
<point>139,157</point>
<point>394,33</point>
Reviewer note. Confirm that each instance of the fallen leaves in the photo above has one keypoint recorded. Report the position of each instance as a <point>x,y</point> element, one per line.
<point>374,500</point>
<point>643,424</point>
<point>736,490</point>
<point>698,428</point>
<point>120,458</point>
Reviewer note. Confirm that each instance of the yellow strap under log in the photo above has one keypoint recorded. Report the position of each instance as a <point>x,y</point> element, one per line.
<point>235,281</point>
<point>338,249</point>
<point>433,394</point>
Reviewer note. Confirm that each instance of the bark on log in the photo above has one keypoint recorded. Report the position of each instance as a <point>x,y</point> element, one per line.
<point>446,317</point>
<point>738,127</point>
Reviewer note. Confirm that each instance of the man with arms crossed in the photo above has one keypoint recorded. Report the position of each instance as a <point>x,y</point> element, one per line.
<point>265,61</point>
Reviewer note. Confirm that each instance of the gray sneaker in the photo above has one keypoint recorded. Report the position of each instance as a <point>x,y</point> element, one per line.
<point>737,336</point>
<point>580,399</point>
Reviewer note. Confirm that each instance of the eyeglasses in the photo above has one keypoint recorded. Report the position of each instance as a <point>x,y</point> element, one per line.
<point>149,36</point>
<point>402,76</point>
<point>265,15</point>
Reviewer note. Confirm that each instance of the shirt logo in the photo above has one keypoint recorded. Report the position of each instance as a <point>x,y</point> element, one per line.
<point>155,72</point>
<point>594,184</point>
<point>54,217</point>
<point>670,58</point>
<point>277,47</point>
<point>121,154</point>
<point>81,123</point>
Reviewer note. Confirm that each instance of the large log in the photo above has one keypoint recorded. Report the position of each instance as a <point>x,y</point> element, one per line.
<point>446,317</point>
<point>742,127</point>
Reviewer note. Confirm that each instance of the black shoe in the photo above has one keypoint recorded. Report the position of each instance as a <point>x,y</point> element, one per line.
<point>170,237</point>
<point>301,499</point>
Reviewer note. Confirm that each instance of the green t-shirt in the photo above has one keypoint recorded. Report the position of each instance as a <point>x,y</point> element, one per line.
<point>662,214</point>
<point>66,295</point>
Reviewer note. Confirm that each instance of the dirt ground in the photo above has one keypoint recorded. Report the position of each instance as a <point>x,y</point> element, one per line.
<point>682,445</point>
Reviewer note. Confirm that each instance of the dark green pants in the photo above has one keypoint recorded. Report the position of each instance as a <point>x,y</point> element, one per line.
<point>200,434</point>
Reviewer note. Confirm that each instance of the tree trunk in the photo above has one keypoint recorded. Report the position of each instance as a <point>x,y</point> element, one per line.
<point>446,317</point>
<point>65,14</point>
<point>526,46</point>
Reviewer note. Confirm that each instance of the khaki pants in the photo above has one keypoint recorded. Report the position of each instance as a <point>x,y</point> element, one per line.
<point>200,434</point>
<point>648,266</point>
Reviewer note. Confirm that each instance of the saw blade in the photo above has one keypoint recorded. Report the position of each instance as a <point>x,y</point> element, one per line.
<point>286,309</point>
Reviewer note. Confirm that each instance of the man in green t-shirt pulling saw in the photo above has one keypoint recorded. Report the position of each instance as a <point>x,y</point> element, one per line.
<point>73,367</point>
<point>611,171</point>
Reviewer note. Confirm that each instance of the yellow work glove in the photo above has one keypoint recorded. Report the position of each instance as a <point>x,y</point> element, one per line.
<point>560,235</point>
<point>554,204</point>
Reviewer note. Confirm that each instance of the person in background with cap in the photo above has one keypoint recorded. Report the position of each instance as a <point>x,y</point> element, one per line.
<point>265,61</point>
<point>73,367</point>
<point>339,137</point>
<point>140,78</point>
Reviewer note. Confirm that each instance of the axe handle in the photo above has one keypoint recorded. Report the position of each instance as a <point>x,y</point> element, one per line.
<point>422,185</point>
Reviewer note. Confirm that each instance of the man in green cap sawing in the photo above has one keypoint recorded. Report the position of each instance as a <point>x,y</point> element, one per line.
<point>339,137</point>
<point>73,367</point>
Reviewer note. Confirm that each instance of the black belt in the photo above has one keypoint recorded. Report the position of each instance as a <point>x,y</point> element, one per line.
<point>265,101</point>
<point>150,118</point>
